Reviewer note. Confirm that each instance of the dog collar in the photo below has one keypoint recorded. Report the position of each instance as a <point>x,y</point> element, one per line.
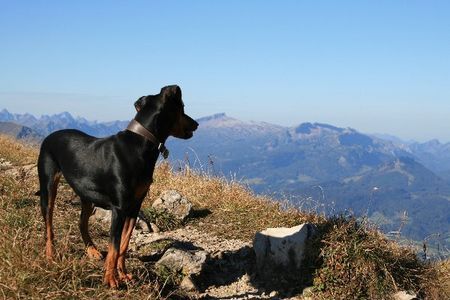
<point>136,127</point>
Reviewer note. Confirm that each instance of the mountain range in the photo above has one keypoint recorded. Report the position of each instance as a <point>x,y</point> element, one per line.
<point>400,186</point>
<point>46,124</point>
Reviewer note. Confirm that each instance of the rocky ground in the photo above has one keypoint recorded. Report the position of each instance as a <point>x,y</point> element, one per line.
<point>227,272</point>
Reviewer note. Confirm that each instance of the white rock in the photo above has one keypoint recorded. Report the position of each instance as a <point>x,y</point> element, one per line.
<point>154,227</point>
<point>273,294</point>
<point>282,247</point>
<point>402,295</point>
<point>4,164</point>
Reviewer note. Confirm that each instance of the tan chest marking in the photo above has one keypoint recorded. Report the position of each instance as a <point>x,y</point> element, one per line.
<point>141,190</point>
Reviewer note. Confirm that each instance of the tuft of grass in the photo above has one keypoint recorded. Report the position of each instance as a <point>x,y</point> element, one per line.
<point>355,261</point>
<point>168,277</point>
<point>163,219</point>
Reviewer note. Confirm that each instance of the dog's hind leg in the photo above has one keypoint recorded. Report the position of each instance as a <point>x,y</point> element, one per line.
<point>86,211</point>
<point>49,176</point>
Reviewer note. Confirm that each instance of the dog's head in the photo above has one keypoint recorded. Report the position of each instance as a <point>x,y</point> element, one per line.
<point>163,114</point>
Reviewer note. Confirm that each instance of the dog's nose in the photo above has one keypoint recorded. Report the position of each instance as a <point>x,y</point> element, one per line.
<point>195,125</point>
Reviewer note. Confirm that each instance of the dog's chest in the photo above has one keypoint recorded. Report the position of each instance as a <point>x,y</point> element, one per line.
<point>140,191</point>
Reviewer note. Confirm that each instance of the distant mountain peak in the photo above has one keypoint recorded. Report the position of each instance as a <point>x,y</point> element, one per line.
<point>5,115</point>
<point>65,115</point>
<point>331,127</point>
<point>219,120</point>
<point>433,142</point>
<point>308,128</point>
<point>219,116</point>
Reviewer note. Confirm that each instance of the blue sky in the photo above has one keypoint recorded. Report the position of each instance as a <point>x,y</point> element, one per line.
<point>377,66</point>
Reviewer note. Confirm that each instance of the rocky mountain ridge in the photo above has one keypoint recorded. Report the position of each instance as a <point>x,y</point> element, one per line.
<point>46,124</point>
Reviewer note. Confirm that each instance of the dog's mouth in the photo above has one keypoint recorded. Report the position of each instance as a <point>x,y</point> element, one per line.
<point>187,131</point>
<point>189,134</point>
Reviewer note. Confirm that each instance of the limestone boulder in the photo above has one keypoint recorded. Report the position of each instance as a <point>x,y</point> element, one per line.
<point>281,248</point>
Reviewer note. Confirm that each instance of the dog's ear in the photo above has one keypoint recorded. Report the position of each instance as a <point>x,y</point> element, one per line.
<point>140,103</point>
<point>171,91</point>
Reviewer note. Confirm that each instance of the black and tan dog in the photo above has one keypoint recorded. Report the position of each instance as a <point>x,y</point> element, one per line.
<point>113,173</point>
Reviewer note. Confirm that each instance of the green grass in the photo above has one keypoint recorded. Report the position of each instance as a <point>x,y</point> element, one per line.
<point>162,219</point>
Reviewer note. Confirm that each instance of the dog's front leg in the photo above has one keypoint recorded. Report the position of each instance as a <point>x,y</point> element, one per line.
<point>117,224</point>
<point>126,235</point>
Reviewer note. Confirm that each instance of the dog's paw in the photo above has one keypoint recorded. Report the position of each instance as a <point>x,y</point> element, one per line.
<point>93,253</point>
<point>125,277</point>
<point>111,281</point>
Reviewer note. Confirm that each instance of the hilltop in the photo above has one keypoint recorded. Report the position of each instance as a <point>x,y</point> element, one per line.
<point>347,259</point>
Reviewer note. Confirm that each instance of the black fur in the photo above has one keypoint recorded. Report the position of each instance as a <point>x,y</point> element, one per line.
<point>113,172</point>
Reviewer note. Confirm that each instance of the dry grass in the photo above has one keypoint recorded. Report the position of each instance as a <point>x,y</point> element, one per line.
<point>17,153</point>
<point>346,260</point>
<point>356,261</point>
<point>229,209</point>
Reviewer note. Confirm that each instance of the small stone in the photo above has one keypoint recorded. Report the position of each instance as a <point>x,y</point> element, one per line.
<point>403,295</point>
<point>273,294</point>
<point>188,285</point>
<point>4,164</point>
<point>308,292</point>
<point>102,215</point>
<point>142,226</point>
<point>154,228</point>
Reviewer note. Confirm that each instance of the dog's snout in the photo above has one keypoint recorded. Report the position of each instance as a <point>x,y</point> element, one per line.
<point>195,125</point>
<point>191,123</point>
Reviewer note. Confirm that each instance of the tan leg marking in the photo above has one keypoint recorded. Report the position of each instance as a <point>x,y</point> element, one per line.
<point>91,249</point>
<point>49,217</point>
<point>110,278</point>
<point>125,240</point>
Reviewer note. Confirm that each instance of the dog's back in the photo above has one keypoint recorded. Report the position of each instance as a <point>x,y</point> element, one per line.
<point>85,161</point>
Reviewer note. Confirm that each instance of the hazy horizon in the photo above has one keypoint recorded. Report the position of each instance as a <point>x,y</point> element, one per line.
<point>378,67</point>
<point>386,135</point>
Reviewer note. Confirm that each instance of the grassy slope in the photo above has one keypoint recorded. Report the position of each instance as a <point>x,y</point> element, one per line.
<point>345,260</point>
